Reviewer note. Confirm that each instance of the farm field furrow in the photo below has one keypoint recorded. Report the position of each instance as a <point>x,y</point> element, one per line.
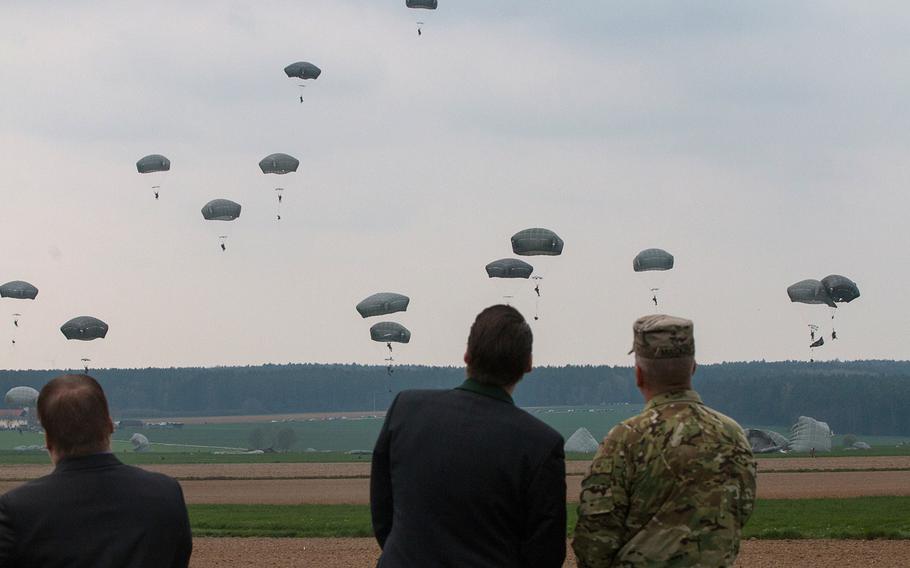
<point>363,552</point>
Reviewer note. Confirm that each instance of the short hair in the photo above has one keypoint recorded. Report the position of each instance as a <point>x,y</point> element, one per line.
<point>499,346</point>
<point>671,372</point>
<point>74,414</point>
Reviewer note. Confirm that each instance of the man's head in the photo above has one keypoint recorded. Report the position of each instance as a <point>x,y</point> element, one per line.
<point>499,347</point>
<point>74,414</point>
<point>664,349</point>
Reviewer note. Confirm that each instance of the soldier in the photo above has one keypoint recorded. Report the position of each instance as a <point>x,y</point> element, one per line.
<point>675,484</point>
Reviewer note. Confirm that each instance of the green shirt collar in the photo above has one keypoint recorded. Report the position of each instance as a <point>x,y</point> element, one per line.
<point>684,395</point>
<point>491,391</point>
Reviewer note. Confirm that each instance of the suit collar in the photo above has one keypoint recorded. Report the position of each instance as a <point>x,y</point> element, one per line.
<point>91,461</point>
<point>491,391</point>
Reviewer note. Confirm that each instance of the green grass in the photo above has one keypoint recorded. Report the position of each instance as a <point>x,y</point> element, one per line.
<point>860,518</point>
<point>9,457</point>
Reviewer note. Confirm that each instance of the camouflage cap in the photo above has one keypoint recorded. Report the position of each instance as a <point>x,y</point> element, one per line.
<point>663,337</point>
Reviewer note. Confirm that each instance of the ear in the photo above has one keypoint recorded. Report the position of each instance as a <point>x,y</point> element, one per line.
<point>530,364</point>
<point>639,377</point>
<point>110,427</point>
<point>694,366</point>
<point>467,358</point>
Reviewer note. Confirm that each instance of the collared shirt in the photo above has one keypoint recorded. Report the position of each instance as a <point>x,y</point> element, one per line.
<point>671,486</point>
<point>491,391</point>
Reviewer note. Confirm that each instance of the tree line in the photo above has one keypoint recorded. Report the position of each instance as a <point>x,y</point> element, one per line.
<point>868,397</point>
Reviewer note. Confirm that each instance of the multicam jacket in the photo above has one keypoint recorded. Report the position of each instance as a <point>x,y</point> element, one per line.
<point>672,486</point>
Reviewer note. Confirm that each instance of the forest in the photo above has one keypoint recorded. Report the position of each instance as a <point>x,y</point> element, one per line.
<point>866,397</point>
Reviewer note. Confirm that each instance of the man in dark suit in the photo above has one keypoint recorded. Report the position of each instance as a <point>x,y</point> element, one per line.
<point>92,511</point>
<point>463,477</point>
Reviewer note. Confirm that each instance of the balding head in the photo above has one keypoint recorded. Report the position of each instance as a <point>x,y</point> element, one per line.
<point>74,414</point>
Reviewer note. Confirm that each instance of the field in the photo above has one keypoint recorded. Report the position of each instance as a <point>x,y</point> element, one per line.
<point>312,502</point>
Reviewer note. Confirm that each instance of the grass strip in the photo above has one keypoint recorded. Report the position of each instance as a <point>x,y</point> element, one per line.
<point>859,518</point>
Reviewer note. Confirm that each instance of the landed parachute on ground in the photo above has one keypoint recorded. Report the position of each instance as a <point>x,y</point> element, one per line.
<point>766,441</point>
<point>140,442</point>
<point>84,328</point>
<point>383,303</point>
<point>509,268</point>
<point>809,434</point>
<point>536,242</point>
<point>390,332</point>
<point>18,290</point>
<point>21,397</point>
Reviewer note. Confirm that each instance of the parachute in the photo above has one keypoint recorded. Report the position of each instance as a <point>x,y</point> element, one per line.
<point>766,441</point>
<point>810,292</point>
<point>154,164</point>
<point>278,164</point>
<point>509,268</point>
<point>390,332</point>
<point>19,290</point>
<point>582,441</point>
<point>652,259</point>
<point>21,397</point>
<point>140,443</point>
<point>303,70</point>
<point>84,328</point>
<point>221,210</point>
<point>809,434</point>
<point>424,4</point>
<point>535,242</point>
<point>840,288</point>
<point>383,303</point>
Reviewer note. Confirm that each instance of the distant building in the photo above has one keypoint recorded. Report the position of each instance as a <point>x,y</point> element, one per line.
<point>13,418</point>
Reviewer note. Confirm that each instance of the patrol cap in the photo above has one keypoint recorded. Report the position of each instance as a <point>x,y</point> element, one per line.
<point>662,337</point>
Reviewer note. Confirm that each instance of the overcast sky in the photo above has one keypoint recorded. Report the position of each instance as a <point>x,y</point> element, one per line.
<point>760,143</point>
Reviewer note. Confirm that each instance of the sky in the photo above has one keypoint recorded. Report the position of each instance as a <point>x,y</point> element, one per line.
<point>760,143</point>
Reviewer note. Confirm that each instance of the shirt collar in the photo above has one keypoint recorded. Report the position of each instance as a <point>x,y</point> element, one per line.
<point>491,391</point>
<point>684,395</point>
<point>104,459</point>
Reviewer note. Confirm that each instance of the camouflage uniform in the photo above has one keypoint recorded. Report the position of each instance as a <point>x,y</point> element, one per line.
<point>672,486</point>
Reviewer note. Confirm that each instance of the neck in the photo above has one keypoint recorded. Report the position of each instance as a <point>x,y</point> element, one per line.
<point>650,392</point>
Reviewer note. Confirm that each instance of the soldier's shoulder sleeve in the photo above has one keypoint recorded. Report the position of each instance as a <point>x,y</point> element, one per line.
<point>604,501</point>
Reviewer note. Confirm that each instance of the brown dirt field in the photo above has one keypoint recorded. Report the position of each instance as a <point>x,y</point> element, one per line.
<point>362,469</point>
<point>357,490</point>
<point>362,553</point>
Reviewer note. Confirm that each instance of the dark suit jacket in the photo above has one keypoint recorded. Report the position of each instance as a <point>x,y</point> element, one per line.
<point>94,511</point>
<point>464,478</point>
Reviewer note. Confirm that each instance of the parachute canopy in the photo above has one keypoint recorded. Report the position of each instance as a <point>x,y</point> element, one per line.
<point>153,163</point>
<point>84,328</point>
<point>221,210</point>
<point>840,288</point>
<point>766,441</point>
<point>21,397</point>
<point>809,292</point>
<point>582,442</point>
<point>425,4</point>
<point>302,70</point>
<point>810,434</point>
<point>140,442</point>
<point>19,290</point>
<point>383,303</point>
<point>652,259</point>
<point>509,268</point>
<point>389,331</point>
<point>278,164</point>
<point>535,242</point>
